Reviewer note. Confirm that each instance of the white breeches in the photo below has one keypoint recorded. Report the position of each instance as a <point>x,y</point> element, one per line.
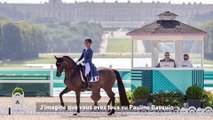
<point>87,69</point>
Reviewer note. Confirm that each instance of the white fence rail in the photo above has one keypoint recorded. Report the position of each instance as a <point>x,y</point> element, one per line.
<point>50,81</point>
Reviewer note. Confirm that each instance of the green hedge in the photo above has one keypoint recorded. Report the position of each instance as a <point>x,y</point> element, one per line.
<point>18,90</point>
<point>141,92</point>
<point>194,92</point>
<point>168,98</point>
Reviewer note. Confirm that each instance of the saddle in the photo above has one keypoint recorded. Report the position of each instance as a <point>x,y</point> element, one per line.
<point>89,78</point>
<point>85,79</point>
<point>82,70</point>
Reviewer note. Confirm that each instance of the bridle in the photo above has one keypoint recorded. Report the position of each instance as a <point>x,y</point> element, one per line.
<point>62,64</point>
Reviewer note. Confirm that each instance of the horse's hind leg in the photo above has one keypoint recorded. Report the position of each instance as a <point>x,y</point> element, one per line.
<point>66,90</point>
<point>108,103</point>
<point>111,95</point>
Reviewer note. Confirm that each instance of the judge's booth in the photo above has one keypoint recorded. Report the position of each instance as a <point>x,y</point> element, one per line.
<point>147,51</point>
<point>150,42</point>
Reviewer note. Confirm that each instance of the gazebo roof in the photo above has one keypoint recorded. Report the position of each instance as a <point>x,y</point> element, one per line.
<point>165,26</point>
<point>167,13</point>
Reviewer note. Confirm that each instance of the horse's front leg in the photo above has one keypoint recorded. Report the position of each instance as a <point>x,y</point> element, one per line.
<point>66,90</point>
<point>77,93</point>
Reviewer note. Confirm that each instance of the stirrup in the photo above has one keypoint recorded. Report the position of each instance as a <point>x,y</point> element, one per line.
<point>87,87</point>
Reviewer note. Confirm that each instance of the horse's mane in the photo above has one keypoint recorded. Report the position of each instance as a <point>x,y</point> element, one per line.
<point>69,58</point>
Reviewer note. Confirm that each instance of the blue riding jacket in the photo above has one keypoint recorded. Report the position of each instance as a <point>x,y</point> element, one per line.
<point>87,55</point>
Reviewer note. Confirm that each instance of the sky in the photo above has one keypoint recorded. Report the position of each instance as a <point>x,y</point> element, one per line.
<point>67,1</point>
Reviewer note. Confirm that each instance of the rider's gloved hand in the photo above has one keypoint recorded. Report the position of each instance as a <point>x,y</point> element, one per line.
<point>79,62</point>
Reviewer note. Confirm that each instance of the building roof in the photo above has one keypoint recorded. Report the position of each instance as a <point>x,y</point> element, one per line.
<point>166,26</point>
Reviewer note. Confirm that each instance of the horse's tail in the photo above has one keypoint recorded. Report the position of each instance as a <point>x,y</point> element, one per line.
<point>122,93</point>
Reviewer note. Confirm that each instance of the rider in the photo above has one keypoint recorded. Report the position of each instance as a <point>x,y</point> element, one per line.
<point>89,66</point>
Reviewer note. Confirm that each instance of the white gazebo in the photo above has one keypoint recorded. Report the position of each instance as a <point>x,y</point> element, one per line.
<point>168,29</point>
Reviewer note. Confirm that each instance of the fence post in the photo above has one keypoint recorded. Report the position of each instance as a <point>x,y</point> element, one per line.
<point>51,80</point>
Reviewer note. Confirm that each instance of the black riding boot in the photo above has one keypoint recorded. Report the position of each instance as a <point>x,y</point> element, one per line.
<point>87,82</point>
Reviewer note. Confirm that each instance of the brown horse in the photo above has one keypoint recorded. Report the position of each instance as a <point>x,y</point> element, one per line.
<point>74,82</point>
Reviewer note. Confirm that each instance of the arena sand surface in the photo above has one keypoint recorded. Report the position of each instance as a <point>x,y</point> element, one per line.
<point>31,101</point>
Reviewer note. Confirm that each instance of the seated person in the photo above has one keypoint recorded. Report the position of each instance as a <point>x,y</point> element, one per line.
<point>185,62</point>
<point>167,62</point>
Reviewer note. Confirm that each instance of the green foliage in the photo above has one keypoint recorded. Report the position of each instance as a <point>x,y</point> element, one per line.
<point>21,40</point>
<point>69,37</point>
<point>11,43</point>
<point>117,102</point>
<point>141,92</point>
<point>207,99</point>
<point>211,100</point>
<point>168,98</point>
<point>194,92</point>
<point>208,41</point>
<point>18,90</point>
<point>24,40</point>
<point>129,97</point>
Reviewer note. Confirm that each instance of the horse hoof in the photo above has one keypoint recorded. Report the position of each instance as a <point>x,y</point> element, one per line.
<point>111,112</point>
<point>75,114</point>
<point>66,108</point>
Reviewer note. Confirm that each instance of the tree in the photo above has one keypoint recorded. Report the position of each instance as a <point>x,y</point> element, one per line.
<point>208,42</point>
<point>0,42</point>
<point>11,42</point>
<point>22,40</point>
<point>33,39</point>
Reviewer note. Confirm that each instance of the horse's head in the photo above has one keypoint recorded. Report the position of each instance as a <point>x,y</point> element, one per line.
<point>60,66</point>
<point>64,63</point>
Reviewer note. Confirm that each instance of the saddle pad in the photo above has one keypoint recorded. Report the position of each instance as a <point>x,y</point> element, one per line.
<point>82,78</point>
<point>94,78</point>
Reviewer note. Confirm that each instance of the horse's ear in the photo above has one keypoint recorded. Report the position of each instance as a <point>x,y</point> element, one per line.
<point>55,57</point>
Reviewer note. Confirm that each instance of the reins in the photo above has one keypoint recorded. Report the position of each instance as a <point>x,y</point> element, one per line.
<point>74,68</point>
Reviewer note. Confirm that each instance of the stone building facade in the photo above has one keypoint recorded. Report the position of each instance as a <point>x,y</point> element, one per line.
<point>109,12</point>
